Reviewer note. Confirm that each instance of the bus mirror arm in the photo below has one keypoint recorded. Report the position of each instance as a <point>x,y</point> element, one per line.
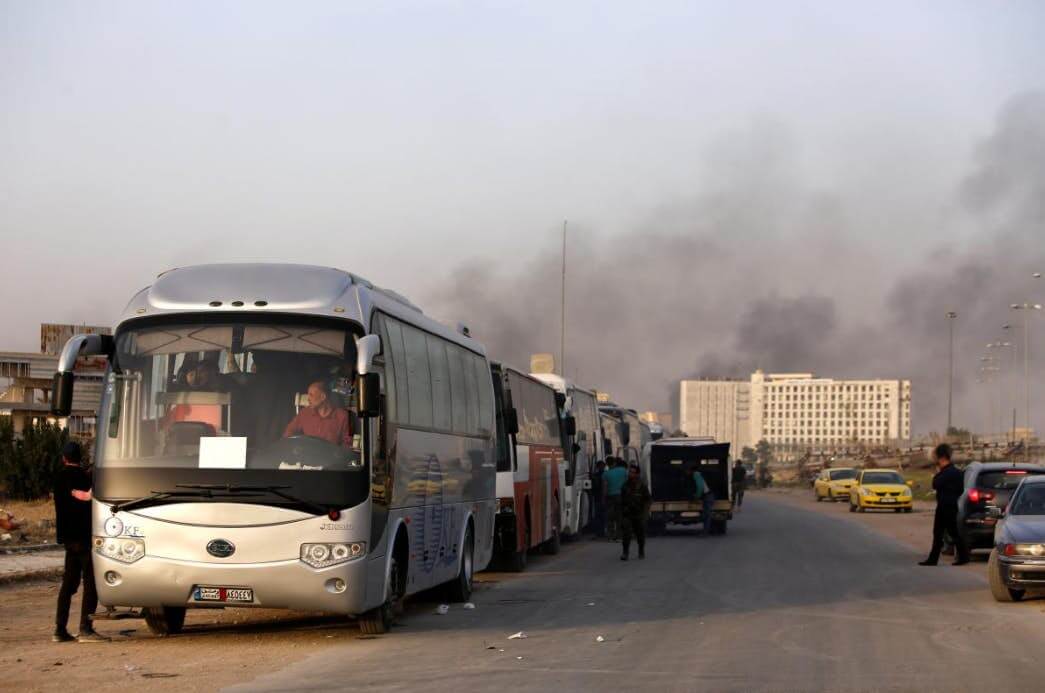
<point>368,395</point>
<point>570,424</point>
<point>79,345</point>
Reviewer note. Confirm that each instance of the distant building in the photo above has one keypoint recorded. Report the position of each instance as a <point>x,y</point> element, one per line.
<point>26,379</point>
<point>797,410</point>
<point>717,409</point>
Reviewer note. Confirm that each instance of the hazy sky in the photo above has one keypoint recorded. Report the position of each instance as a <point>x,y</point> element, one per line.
<point>399,140</point>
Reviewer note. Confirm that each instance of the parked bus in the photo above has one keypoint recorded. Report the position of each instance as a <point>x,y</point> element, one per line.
<point>529,454</point>
<point>627,436</point>
<point>285,436</point>
<point>584,448</point>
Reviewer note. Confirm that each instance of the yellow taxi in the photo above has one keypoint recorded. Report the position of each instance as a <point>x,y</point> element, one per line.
<point>834,484</point>
<point>880,489</point>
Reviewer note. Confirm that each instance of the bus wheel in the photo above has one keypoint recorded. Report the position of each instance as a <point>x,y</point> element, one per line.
<point>551,547</point>
<point>379,621</point>
<point>164,620</point>
<point>517,560</point>
<point>461,588</point>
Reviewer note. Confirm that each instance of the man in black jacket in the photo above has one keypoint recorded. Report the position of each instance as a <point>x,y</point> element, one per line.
<point>949,487</point>
<point>72,504</point>
<point>739,479</point>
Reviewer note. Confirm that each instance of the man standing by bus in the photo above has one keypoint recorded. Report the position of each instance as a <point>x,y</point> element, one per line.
<point>72,512</point>
<point>598,496</point>
<point>635,503</point>
<point>614,479</point>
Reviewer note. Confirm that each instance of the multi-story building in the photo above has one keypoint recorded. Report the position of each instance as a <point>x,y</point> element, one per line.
<point>798,410</point>
<point>26,379</point>
<point>716,408</point>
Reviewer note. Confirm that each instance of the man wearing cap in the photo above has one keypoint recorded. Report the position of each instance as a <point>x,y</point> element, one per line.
<point>72,512</point>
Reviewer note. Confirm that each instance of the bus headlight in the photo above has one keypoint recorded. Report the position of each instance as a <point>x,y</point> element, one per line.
<point>122,550</point>
<point>326,555</point>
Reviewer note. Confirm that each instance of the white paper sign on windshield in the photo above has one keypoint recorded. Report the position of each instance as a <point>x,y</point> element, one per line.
<point>224,452</point>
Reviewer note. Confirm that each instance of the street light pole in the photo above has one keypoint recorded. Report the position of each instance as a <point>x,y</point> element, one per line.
<point>1026,308</point>
<point>951,315</point>
<point>1001,388</point>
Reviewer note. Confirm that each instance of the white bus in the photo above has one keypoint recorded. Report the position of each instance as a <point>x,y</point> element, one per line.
<point>286,436</point>
<point>584,449</point>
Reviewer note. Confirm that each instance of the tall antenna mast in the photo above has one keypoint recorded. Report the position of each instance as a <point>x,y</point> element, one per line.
<point>562,331</point>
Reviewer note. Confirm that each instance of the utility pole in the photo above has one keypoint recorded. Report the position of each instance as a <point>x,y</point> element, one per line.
<point>951,315</point>
<point>562,330</point>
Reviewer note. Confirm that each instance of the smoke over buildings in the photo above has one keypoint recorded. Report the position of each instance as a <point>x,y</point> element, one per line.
<point>759,268</point>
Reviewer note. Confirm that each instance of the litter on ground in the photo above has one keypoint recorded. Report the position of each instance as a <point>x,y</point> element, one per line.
<point>518,636</point>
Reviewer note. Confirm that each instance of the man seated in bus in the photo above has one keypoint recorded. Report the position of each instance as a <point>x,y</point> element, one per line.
<point>321,419</point>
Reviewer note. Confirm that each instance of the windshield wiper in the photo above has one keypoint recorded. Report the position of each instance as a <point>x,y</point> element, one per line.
<point>159,496</point>
<point>316,508</point>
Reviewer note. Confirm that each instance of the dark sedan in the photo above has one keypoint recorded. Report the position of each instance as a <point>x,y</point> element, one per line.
<point>988,487</point>
<point>1017,562</point>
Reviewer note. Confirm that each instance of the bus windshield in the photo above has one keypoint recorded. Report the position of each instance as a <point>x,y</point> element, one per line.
<point>239,397</point>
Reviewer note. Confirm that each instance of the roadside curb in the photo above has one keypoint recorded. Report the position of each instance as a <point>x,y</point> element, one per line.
<point>30,575</point>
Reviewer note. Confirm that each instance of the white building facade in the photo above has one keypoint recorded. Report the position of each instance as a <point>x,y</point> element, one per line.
<point>798,411</point>
<point>716,408</point>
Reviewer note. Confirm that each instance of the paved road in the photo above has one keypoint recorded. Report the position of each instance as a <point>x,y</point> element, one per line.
<point>789,600</point>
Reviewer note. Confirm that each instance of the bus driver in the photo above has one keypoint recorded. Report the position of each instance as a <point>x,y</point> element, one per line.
<point>321,419</point>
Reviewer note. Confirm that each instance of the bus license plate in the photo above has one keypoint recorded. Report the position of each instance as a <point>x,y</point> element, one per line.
<point>224,594</point>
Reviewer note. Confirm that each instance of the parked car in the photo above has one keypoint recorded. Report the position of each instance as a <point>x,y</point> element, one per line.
<point>988,485</point>
<point>881,489</point>
<point>834,484</point>
<point>1017,561</point>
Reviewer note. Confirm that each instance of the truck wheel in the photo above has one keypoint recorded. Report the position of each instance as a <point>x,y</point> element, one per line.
<point>999,590</point>
<point>164,620</point>
<point>460,590</point>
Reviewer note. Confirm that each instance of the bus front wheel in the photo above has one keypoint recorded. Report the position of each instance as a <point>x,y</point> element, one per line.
<point>379,621</point>
<point>164,620</point>
<point>461,588</point>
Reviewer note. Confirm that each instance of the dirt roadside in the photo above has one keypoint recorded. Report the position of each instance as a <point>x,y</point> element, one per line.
<point>236,646</point>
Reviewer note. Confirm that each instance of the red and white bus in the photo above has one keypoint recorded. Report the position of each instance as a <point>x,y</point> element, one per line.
<point>529,454</point>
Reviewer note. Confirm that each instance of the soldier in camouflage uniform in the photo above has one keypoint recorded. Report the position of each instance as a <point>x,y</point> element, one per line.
<point>635,503</point>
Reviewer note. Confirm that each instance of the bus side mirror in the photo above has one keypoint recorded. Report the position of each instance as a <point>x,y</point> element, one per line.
<point>511,421</point>
<point>368,395</point>
<point>62,394</point>
<point>570,424</point>
<point>367,349</point>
